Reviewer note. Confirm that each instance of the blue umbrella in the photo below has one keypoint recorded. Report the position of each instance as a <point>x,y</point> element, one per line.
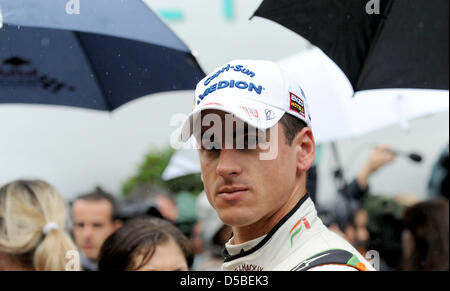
<point>98,55</point>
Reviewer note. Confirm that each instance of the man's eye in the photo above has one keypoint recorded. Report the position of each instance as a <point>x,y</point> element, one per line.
<point>251,142</point>
<point>211,146</point>
<point>247,142</point>
<point>214,148</point>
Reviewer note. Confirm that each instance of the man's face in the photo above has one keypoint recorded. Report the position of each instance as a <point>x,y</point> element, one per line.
<point>92,225</point>
<point>245,189</point>
<point>361,222</point>
<point>357,233</point>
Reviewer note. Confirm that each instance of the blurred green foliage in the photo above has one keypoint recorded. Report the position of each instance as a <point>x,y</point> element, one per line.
<point>151,170</point>
<point>385,227</point>
<point>378,207</point>
<point>190,183</point>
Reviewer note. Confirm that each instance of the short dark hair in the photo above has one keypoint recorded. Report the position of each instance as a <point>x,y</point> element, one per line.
<point>291,127</point>
<point>98,194</point>
<point>137,236</point>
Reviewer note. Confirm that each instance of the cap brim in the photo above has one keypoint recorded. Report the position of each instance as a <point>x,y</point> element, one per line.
<point>255,114</point>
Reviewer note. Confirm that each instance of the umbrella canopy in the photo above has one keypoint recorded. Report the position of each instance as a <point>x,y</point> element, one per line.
<point>110,53</point>
<point>405,45</point>
<point>336,115</point>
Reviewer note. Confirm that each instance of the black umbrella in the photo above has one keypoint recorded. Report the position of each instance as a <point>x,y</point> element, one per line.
<point>110,53</point>
<point>378,43</point>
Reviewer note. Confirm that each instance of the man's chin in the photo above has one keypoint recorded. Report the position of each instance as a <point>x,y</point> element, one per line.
<point>236,217</point>
<point>91,255</point>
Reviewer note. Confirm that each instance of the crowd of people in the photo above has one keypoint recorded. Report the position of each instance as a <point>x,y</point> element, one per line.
<point>254,213</point>
<point>35,233</point>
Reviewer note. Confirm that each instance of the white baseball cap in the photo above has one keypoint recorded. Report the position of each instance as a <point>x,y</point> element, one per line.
<point>257,92</point>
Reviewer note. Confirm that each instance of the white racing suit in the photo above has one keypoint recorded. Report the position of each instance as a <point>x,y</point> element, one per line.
<point>299,242</point>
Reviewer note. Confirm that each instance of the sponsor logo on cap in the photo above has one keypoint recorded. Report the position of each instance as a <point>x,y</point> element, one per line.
<point>237,68</point>
<point>252,113</point>
<point>230,84</point>
<point>238,84</point>
<point>297,104</point>
<point>213,103</point>
<point>270,114</point>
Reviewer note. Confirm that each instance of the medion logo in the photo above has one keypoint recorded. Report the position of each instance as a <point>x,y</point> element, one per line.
<point>231,84</point>
<point>19,72</point>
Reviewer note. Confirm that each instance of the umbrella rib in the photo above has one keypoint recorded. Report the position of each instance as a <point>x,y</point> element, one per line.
<point>363,70</point>
<point>94,72</point>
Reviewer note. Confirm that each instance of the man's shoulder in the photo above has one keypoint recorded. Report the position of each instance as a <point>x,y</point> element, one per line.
<point>325,250</point>
<point>333,260</point>
<point>333,267</point>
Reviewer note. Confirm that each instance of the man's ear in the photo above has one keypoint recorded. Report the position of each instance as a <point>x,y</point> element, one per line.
<point>306,149</point>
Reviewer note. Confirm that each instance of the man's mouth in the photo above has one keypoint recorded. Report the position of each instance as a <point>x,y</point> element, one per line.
<point>88,247</point>
<point>230,193</point>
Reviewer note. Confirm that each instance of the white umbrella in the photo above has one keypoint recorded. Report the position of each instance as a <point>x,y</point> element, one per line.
<point>183,162</point>
<point>337,114</point>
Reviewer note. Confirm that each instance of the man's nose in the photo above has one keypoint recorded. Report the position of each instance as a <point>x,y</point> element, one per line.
<point>87,231</point>
<point>228,163</point>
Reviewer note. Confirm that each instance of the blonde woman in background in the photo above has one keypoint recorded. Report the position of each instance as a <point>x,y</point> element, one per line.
<point>32,227</point>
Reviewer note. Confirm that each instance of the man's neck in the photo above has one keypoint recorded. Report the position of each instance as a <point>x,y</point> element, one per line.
<point>265,225</point>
